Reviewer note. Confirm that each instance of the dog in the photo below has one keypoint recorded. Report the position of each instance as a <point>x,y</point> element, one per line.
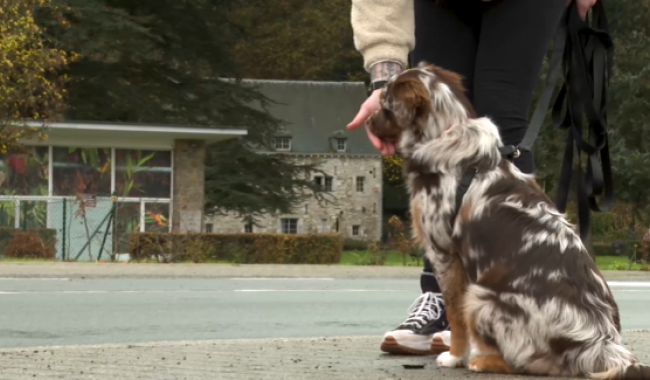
<point>519,285</point>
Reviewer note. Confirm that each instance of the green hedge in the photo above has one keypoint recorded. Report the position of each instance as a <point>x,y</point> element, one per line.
<point>29,244</point>
<point>238,248</point>
<point>607,248</point>
<point>354,245</point>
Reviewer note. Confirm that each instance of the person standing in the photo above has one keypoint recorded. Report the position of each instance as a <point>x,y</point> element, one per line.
<point>498,46</point>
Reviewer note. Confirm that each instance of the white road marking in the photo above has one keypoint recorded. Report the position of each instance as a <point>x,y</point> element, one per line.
<point>616,286</point>
<point>319,290</point>
<point>628,284</point>
<point>281,279</point>
<point>34,279</point>
<point>194,291</point>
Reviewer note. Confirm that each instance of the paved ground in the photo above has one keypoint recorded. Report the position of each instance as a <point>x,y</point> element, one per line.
<point>349,358</point>
<point>333,316</point>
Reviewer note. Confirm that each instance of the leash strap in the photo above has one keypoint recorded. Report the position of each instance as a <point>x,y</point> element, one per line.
<point>555,69</point>
<point>587,67</point>
<point>583,53</point>
<point>462,188</point>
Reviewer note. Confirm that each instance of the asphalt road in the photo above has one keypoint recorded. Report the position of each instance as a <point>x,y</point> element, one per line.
<point>61,311</point>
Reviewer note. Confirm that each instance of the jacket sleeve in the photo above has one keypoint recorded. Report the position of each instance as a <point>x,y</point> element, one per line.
<point>384,30</point>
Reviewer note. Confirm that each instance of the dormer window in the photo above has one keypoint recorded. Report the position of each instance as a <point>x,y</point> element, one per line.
<point>283,143</point>
<point>341,144</point>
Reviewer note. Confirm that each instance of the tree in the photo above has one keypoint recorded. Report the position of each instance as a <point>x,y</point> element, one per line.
<point>167,61</point>
<point>296,39</point>
<point>629,109</point>
<point>30,85</point>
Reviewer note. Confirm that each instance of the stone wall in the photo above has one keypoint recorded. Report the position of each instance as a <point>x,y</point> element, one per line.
<point>189,183</point>
<point>350,208</point>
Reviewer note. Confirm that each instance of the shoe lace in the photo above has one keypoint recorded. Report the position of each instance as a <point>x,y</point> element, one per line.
<point>427,307</point>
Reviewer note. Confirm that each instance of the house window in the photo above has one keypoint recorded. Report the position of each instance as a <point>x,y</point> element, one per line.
<point>356,230</point>
<point>341,145</point>
<point>323,225</point>
<point>360,183</point>
<point>248,228</point>
<point>325,182</point>
<point>208,227</point>
<point>283,143</point>
<point>289,226</point>
<point>328,183</point>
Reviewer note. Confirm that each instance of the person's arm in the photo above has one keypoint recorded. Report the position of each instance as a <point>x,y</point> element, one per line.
<point>384,34</point>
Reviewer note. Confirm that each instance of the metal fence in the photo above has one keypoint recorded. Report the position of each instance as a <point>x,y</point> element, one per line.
<point>87,228</point>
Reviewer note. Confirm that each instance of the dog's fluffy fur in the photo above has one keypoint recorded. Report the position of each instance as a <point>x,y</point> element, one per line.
<point>516,279</point>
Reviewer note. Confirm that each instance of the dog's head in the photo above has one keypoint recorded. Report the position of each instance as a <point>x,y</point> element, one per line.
<point>418,105</point>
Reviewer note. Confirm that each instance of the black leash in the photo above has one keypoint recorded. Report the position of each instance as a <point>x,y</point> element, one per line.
<point>583,53</point>
<point>588,69</point>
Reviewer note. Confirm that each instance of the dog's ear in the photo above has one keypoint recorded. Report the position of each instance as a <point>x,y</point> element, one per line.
<point>409,101</point>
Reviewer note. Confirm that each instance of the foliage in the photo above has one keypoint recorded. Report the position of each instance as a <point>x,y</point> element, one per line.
<point>131,168</point>
<point>630,105</point>
<point>393,170</point>
<point>628,111</point>
<point>24,171</point>
<point>31,244</point>
<point>401,241</point>
<point>644,249</point>
<point>31,87</point>
<point>167,61</point>
<point>354,245</point>
<point>297,40</point>
<point>242,248</point>
<point>257,184</point>
<point>363,253</point>
<point>374,255</point>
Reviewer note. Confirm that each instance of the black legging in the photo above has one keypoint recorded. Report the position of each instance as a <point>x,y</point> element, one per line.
<point>498,47</point>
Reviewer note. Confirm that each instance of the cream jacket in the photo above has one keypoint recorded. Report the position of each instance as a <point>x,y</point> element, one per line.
<point>384,30</point>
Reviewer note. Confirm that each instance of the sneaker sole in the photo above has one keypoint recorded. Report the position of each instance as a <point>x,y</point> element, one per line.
<point>438,346</point>
<point>390,345</point>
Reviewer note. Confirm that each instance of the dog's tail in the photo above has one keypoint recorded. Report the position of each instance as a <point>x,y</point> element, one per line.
<point>621,364</point>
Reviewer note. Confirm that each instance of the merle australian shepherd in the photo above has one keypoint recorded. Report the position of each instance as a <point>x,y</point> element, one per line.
<point>517,281</point>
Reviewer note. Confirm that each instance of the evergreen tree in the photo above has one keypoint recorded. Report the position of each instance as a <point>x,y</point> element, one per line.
<point>630,106</point>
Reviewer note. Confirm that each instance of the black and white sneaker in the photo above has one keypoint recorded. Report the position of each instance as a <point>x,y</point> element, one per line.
<point>415,336</point>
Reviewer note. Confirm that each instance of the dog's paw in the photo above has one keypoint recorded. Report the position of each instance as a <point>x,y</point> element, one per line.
<point>474,366</point>
<point>447,360</point>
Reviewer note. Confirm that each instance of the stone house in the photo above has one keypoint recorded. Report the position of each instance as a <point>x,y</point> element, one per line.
<point>316,114</point>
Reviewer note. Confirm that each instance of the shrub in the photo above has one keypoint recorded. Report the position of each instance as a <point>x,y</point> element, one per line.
<point>625,248</point>
<point>239,248</point>
<point>354,245</point>
<point>400,240</point>
<point>31,244</point>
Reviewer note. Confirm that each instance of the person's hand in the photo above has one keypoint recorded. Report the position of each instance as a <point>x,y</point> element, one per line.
<point>368,108</point>
<point>583,6</point>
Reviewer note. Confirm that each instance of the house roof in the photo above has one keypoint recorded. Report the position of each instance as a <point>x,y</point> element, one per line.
<point>314,112</point>
<point>129,135</point>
